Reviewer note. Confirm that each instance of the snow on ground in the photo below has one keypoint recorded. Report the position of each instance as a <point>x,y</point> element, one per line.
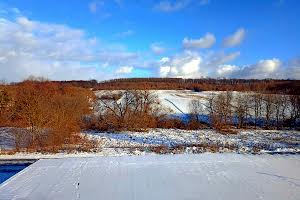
<point>173,141</point>
<point>202,176</point>
<point>246,141</point>
<point>178,100</point>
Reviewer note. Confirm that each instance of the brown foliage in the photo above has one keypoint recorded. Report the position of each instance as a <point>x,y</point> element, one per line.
<point>171,123</point>
<point>51,112</point>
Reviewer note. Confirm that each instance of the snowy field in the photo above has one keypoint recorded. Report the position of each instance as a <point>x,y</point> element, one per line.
<point>163,141</point>
<point>202,176</point>
<point>246,141</point>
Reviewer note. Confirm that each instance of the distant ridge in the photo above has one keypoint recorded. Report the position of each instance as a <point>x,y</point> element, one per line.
<point>202,84</point>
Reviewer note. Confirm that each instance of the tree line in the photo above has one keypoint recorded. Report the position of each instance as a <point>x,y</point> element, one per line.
<point>228,109</point>
<point>204,84</point>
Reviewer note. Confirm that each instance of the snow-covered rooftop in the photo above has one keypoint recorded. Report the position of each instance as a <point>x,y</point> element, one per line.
<point>202,176</point>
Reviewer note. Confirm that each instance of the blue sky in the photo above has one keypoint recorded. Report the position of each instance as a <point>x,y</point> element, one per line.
<point>104,39</point>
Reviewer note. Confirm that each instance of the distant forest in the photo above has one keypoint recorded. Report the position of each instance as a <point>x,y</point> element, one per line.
<point>265,86</point>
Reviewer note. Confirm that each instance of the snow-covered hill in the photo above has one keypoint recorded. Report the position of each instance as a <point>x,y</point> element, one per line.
<point>175,101</point>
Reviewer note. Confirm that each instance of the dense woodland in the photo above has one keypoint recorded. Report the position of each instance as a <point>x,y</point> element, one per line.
<point>265,85</point>
<point>49,115</point>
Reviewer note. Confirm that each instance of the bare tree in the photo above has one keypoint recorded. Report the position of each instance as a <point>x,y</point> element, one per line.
<point>196,108</point>
<point>128,109</point>
<point>294,109</point>
<point>269,108</point>
<point>257,100</point>
<point>242,106</point>
<point>284,107</point>
<point>220,108</point>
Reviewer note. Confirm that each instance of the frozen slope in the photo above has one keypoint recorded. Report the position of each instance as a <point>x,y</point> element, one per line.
<point>178,100</point>
<point>203,176</point>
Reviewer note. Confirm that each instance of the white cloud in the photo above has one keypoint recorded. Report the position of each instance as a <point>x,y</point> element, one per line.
<point>25,23</point>
<point>55,51</point>
<point>189,64</point>
<point>186,64</point>
<point>206,41</point>
<point>192,64</point>
<point>263,69</point>
<point>124,70</point>
<point>226,70</point>
<point>292,69</point>
<point>157,48</point>
<point>269,68</point>
<point>164,60</point>
<point>164,71</point>
<point>170,6</point>
<point>235,39</point>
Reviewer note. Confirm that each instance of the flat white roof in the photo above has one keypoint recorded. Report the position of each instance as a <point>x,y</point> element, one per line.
<point>202,176</point>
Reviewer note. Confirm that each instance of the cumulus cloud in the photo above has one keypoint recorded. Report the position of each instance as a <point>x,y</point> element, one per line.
<point>268,68</point>
<point>192,64</point>
<point>206,41</point>
<point>55,51</point>
<point>124,70</point>
<point>157,48</point>
<point>186,64</point>
<point>292,69</point>
<point>226,70</point>
<point>235,39</point>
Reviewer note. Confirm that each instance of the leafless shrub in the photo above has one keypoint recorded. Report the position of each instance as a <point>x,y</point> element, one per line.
<point>129,110</point>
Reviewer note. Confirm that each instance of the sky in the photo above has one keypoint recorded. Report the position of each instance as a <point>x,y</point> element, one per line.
<point>107,39</point>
